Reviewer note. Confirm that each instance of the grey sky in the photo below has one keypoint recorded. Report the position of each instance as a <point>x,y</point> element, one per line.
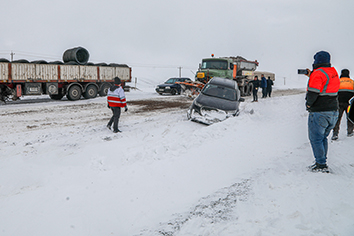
<point>155,37</point>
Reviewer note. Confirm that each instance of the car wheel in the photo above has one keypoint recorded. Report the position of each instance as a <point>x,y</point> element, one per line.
<point>173,91</point>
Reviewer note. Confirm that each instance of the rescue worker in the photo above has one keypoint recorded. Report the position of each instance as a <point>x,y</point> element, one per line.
<point>345,93</point>
<point>322,104</point>
<point>116,100</point>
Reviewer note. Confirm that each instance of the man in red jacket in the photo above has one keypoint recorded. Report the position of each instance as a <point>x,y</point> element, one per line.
<point>322,104</point>
<point>116,100</point>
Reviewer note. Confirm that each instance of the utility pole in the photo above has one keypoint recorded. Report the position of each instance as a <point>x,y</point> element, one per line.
<point>12,56</point>
<point>180,69</point>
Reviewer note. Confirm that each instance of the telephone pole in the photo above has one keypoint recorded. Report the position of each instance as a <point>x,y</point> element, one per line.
<point>12,56</point>
<point>180,69</point>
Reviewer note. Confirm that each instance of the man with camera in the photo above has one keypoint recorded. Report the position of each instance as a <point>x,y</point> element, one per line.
<point>322,104</point>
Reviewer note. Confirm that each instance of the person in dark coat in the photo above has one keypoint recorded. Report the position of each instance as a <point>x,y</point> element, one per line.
<point>255,84</point>
<point>269,86</point>
<point>264,86</point>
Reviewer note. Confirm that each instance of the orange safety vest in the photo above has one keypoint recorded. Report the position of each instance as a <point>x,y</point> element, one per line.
<point>324,81</point>
<point>346,85</point>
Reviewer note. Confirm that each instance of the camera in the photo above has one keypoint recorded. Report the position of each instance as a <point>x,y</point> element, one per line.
<point>302,71</point>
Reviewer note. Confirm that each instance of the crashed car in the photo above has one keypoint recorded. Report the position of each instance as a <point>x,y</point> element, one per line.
<point>171,87</point>
<point>219,99</point>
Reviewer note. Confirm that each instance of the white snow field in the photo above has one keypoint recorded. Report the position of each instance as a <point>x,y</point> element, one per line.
<point>62,172</point>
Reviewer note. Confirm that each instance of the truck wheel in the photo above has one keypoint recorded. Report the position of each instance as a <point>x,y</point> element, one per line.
<point>74,93</point>
<point>56,96</point>
<point>104,90</point>
<point>91,92</point>
<point>250,89</point>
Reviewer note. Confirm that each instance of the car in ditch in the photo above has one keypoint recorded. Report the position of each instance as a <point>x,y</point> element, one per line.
<point>171,87</point>
<point>219,99</point>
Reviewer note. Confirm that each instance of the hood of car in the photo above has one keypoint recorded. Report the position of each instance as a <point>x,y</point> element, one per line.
<point>217,103</point>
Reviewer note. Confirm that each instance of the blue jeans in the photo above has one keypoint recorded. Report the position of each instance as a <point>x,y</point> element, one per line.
<point>320,125</point>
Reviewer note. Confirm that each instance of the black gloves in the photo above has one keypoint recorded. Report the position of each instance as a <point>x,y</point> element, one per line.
<point>126,109</point>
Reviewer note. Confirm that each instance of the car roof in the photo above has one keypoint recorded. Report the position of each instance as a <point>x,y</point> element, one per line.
<point>223,82</point>
<point>179,78</point>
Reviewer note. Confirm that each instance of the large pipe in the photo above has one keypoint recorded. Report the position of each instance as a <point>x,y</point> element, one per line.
<point>78,54</point>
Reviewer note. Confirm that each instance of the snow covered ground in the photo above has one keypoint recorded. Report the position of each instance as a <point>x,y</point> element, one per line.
<point>62,172</point>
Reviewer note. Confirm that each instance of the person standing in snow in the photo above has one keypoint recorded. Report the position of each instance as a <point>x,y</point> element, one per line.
<point>345,93</point>
<point>255,87</point>
<point>264,86</point>
<point>269,86</point>
<point>322,104</point>
<point>116,100</point>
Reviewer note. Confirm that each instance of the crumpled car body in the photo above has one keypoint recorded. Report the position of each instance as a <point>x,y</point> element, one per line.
<point>219,100</point>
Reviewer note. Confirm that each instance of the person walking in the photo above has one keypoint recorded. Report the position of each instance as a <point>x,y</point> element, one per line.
<point>269,86</point>
<point>264,86</point>
<point>322,104</point>
<point>116,100</point>
<point>345,93</point>
<point>255,87</point>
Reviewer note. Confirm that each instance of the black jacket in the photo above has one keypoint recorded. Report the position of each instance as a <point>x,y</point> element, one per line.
<point>256,84</point>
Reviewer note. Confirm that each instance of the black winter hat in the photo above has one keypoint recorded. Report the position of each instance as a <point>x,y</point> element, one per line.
<point>117,80</point>
<point>322,57</point>
<point>344,73</point>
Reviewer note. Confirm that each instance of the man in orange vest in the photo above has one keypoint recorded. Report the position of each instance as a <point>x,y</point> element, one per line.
<point>345,93</point>
<point>322,104</point>
<point>116,100</point>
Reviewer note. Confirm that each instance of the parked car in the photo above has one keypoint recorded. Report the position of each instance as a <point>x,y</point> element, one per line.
<point>219,99</point>
<point>171,87</point>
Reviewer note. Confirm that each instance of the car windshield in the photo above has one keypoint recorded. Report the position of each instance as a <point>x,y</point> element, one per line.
<point>214,64</point>
<point>220,92</point>
<point>170,81</point>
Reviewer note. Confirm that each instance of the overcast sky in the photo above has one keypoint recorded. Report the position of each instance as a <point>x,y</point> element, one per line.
<point>155,37</point>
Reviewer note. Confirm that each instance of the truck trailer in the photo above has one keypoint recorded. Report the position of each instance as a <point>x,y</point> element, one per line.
<point>73,78</point>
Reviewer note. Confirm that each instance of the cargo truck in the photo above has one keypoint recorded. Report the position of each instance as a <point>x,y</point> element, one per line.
<point>73,78</point>
<point>236,68</point>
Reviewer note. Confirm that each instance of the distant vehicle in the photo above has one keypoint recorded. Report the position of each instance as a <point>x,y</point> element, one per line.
<point>219,99</point>
<point>171,87</point>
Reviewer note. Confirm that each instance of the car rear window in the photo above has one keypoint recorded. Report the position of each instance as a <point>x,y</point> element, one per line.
<point>220,92</point>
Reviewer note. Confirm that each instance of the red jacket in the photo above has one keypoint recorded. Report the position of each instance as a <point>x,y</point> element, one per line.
<point>322,90</point>
<point>116,97</point>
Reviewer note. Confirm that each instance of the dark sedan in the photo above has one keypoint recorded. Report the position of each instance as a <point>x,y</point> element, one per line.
<point>219,99</point>
<point>171,87</point>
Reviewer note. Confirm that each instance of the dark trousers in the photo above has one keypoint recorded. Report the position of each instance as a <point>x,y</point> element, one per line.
<point>115,118</point>
<point>255,95</point>
<point>343,108</point>
<point>269,91</point>
<point>264,92</point>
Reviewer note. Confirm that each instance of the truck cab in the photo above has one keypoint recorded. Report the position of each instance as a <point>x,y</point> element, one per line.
<point>236,68</point>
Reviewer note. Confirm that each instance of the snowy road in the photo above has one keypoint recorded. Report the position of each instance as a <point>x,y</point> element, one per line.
<point>64,173</point>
